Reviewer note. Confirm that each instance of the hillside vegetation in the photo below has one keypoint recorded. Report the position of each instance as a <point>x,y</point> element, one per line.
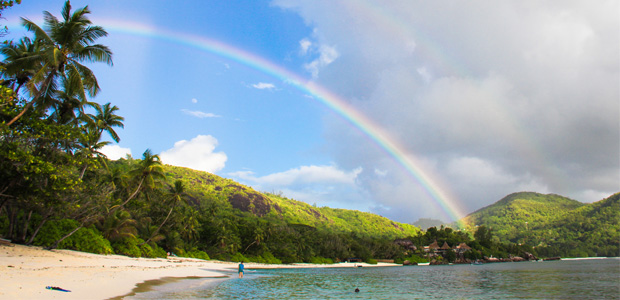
<point>204,187</point>
<point>555,225</point>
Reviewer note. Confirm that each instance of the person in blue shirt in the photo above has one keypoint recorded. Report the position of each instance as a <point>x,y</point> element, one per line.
<point>241,266</point>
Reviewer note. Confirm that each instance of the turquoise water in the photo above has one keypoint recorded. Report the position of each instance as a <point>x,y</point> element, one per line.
<point>566,279</point>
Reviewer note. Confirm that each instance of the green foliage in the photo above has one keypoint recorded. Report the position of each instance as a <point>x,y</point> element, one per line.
<point>265,258</point>
<point>413,258</point>
<point>371,261</point>
<point>553,225</point>
<point>321,260</point>
<point>127,246</point>
<point>197,254</point>
<point>85,239</point>
<point>518,212</point>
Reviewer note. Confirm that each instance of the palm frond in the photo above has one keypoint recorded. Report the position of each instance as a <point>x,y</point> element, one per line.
<point>94,53</point>
<point>88,78</point>
<point>39,34</point>
<point>91,34</point>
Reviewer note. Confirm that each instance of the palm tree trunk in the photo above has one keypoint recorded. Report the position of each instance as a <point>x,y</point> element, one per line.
<point>83,170</point>
<point>158,228</point>
<point>128,199</point>
<point>55,245</point>
<point>36,231</point>
<point>26,225</point>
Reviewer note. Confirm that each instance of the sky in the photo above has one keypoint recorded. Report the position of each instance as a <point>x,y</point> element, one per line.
<point>407,109</point>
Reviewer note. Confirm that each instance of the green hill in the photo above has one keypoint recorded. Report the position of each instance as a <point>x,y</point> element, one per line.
<point>205,187</point>
<point>591,230</point>
<point>554,224</point>
<point>517,212</point>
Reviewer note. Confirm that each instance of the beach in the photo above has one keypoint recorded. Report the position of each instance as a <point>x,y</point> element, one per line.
<point>27,271</point>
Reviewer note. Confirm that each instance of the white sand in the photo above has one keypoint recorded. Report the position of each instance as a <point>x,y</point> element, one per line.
<point>26,271</point>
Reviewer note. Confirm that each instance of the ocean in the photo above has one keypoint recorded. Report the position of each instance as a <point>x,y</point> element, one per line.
<point>565,279</point>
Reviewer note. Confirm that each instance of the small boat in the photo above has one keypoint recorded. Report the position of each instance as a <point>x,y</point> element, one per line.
<point>476,263</point>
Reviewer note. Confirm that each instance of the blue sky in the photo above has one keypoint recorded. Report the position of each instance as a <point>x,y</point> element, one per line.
<point>488,98</point>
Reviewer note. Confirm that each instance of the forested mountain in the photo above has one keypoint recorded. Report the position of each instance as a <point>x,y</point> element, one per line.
<point>555,225</point>
<point>518,211</point>
<point>204,187</point>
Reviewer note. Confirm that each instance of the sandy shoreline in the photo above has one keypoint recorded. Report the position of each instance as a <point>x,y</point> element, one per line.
<point>26,271</point>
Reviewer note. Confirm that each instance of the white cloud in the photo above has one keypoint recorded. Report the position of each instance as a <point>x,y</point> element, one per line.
<point>502,96</point>
<point>194,100</point>
<point>304,175</point>
<point>326,185</point>
<point>264,86</point>
<point>115,152</point>
<point>196,154</point>
<point>199,114</point>
<point>425,74</point>
<point>304,46</point>
<point>327,55</point>
<point>381,173</point>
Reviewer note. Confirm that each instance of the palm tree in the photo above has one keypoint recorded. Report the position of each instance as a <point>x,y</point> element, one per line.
<point>148,172</point>
<point>106,119</point>
<point>177,193</point>
<point>64,45</point>
<point>90,148</point>
<point>67,101</point>
<point>20,63</point>
<point>118,225</point>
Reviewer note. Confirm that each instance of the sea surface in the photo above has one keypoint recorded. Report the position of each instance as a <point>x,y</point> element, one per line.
<point>565,279</point>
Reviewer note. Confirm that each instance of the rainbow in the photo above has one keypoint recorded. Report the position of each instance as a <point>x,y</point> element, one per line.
<point>442,199</point>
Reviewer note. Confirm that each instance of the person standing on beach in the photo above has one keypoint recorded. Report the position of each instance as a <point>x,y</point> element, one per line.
<point>241,266</point>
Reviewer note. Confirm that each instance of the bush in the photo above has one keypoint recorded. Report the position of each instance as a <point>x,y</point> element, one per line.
<point>371,261</point>
<point>413,258</point>
<point>195,253</point>
<point>266,258</point>
<point>53,231</point>
<point>321,260</point>
<point>238,257</point>
<point>127,246</point>
<point>86,239</point>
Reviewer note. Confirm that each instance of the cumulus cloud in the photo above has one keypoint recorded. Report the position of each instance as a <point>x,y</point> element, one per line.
<point>327,185</point>
<point>194,100</point>
<point>115,152</point>
<point>264,86</point>
<point>196,154</point>
<point>304,175</point>
<point>327,55</point>
<point>495,97</point>
<point>199,114</point>
<point>304,46</point>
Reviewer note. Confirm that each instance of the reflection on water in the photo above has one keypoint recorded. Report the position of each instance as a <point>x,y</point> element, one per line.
<point>591,279</point>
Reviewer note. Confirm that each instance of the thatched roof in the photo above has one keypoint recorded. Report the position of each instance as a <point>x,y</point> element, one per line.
<point>433,245</point>
<point>445,246</point>
<point>463,246</point>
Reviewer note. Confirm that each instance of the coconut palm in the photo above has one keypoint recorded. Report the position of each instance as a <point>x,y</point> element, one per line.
<point>64,46</point>
<point>148,172</point>
<point>68,103</point>
<point>90,148</point>
<point>106,118</point>
<point>21,62</point>
<point>177,195</point>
